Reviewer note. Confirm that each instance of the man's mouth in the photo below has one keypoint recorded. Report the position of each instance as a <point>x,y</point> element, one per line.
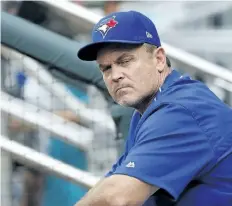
<point>120,89</point>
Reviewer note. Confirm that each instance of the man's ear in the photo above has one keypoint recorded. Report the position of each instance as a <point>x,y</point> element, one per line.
<point>160,58</point>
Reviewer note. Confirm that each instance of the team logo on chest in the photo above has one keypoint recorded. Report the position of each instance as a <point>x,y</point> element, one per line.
<point>106,25</point>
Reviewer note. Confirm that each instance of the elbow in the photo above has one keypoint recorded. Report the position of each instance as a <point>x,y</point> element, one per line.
<point>117,202</point>
<point>121,201</point>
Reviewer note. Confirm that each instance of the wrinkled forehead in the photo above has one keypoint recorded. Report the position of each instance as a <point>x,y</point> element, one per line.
<point>115,49</point>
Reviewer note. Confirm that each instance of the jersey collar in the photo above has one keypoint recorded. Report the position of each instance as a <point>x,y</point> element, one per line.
<point>170,79</point>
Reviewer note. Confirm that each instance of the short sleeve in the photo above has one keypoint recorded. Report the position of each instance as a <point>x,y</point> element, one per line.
<point>169,152</point>
<point>115,166</point>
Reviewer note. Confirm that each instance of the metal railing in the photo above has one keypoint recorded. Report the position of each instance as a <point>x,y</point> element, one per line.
<point>69,132</point>
<point>35,159</point>
<point>87,116</point>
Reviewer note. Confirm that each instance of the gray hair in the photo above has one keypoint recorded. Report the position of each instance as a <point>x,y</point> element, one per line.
<point>151,48</point>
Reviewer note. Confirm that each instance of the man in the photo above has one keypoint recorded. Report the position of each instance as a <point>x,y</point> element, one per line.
<point>178,150</point>
<point>111,6</point>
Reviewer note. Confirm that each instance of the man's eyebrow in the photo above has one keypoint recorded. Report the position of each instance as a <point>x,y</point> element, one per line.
<point>120,58</point>
<point>124,55</point>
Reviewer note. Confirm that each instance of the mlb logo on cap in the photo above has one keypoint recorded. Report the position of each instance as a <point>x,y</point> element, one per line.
<point>120,27</point>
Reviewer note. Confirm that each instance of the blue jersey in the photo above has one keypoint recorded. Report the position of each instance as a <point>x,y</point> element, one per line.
<point>182,144</point>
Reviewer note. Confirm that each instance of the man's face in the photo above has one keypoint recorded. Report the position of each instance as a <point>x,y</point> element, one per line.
<point>131,75</point>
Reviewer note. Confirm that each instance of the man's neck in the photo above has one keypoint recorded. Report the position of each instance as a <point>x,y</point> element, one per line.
<point>141,108</point>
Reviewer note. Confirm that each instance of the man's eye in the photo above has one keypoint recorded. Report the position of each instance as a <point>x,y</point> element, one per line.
<point>106,68</point>
<point>125,61</point>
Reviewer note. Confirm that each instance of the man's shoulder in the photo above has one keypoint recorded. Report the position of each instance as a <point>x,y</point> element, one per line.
<point>186,89</point>
<point>190,98</point>
<point>193,95</point>
<point>208,112</point>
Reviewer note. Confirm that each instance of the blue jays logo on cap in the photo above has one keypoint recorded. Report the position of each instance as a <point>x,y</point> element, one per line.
<point>106,25</point>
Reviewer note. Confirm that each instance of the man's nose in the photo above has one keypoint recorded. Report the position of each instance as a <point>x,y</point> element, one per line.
<point>116,74</point>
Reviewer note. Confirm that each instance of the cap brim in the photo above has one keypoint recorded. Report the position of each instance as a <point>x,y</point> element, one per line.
<point>90,51</point>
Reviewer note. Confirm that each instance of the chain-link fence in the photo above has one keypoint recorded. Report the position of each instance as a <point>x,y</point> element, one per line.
<point>37,117</point>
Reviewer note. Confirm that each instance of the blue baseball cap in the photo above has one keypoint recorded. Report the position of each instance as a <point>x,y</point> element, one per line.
<point>129,27</point>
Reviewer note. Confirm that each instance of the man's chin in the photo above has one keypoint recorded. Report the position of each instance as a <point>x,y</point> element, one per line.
<point>127,103</point>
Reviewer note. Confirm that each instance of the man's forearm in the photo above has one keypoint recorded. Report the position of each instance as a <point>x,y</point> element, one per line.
<point>20,125</point>
<point>68,115</point>
<point>90,199</point>
<point>93,202</point>
<point>118,190</point>
<point>96,198</point>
